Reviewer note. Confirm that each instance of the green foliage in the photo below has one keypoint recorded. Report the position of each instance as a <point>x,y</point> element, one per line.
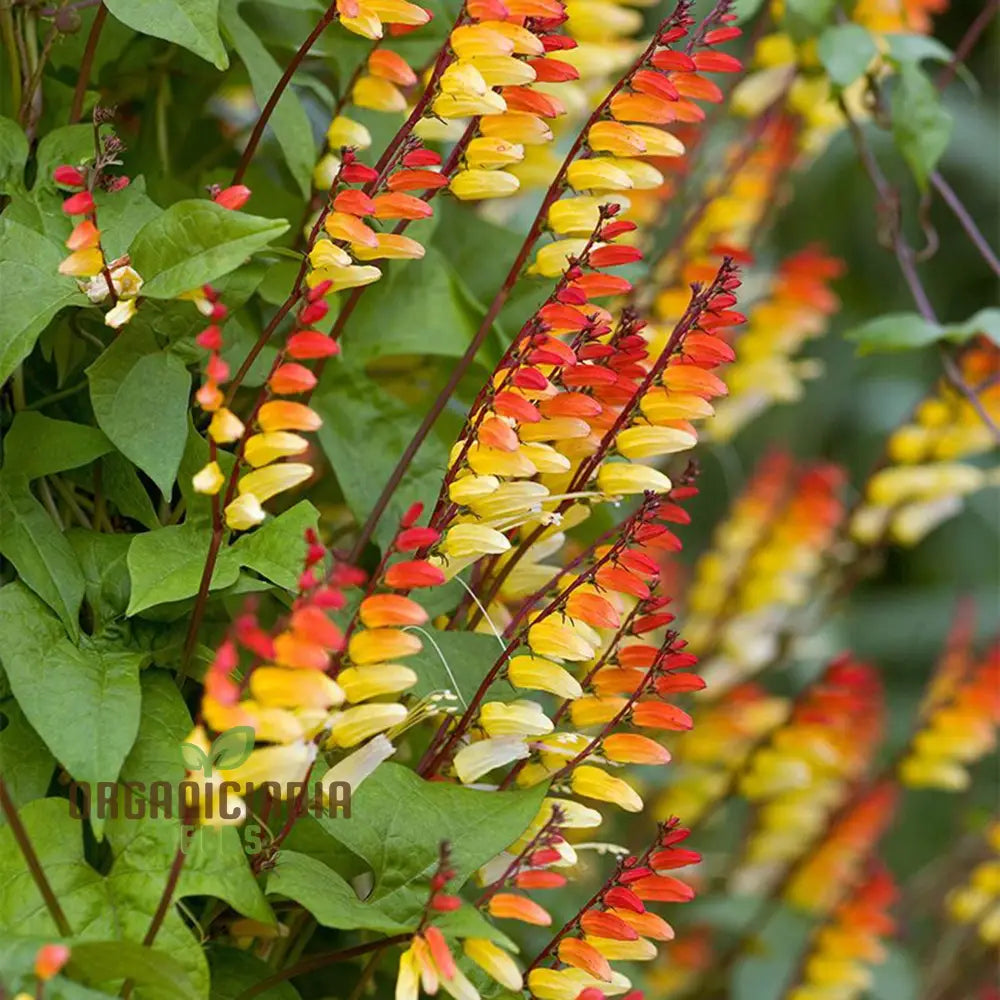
<point>909,331</point>
<point>140,396</point>
<point>195,242</point>
<point>846,50</point>
<point>920,124</point>
<point>191,23</point>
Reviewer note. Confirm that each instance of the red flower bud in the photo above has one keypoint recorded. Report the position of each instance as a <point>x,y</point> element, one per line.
<point>416,573</point>
<point>50,959</point>
<point>210,338</point>
<point>421,158</point>
<point>411,539</point>
<point>445,904</point>
<point>313,312</point>
<point>318,291</point>
<point>233,197</point>
<point>67,176</point>
<point>79,204</point>
<point>306,344</point>
<point>354,203</point>
<point>412,513</point>
<point>358,173</point>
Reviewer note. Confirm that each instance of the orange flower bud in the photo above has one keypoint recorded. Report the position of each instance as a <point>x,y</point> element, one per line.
<point>49,959</point>
<point>391,66</point>
<point>599,923</point>
<point>383,610</point>
<point>291,378</point>
<point>400,206</point>
<point>584,956</point>
<point>509,906</point>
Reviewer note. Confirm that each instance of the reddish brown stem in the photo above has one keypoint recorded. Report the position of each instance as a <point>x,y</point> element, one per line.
<point>31,860</point>
<point>86,64</point>
<point>279,89</point>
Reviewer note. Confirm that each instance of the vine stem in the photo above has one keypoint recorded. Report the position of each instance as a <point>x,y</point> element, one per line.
<point>279,89</point>
<point>965,220</point>
<point>86,64</point>
<point>31,860</point>
<point>966,45</point>
<point>319,961</point>
<point>464,363</point>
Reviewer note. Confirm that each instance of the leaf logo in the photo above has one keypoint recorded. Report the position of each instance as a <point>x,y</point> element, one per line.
<point>228,750</point>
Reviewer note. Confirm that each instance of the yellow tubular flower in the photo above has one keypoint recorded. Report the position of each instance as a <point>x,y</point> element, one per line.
<point>357,724</point>
<point>503,71</point>
<point>614,950</point>
<point>515,718</point>
<point>273,479</point>
<point>648,442</point>
<point>261,449</point>
<point>620,479</point>
<point>376,645</point>
<point>488,154</point>
<point>477,185</point>
<point>592,783</point>
<point>347,132</point>
<point>391,246</point>
<point>569,983</point>
<point>477,759</point>
<point>378,94</point>
<point>534,673</point>
<point>517,126</point>
<point>362,683</point>
<point>225,427</point>
<point>471,40</point>
<point>288,688</point>
<point>463,541</point>
<point>494,961</point>
<point>559,640</point>
<point>243,513</point>
<point>598,174</point>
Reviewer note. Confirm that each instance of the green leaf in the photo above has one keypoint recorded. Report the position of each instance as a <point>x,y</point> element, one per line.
<point>25,761</point>
<point>110,962</point>
<point>140,397</point>
<point>277,549</point>
<point>123,488</point>
<point>806,17</point>
<point>326,895</point>
<point>458,661</point>
<point>289,120</point>
<point>13,155</point>
<point>746,9</point>
<point>33,291</point>
<point>58,683</point>
<point>164,723</point>
<point>102,559</point>
<point>122,215</point>
<point>417,296</point>
<point>846,51</point>
<point>193,24</point>
<point>401,845</point>
<point>39,551</point>
<point>37,445</point>
<point>364,433</point>
<point>234,972</point>
<point>232,748</point>
<point>921,126</point>
<point>904,48</point>
<point>166,565</point>
<point>894,332</point>
<point>120,905</point>
<point>194,242</point>
<point>986,322</point>
<point>896,978</point>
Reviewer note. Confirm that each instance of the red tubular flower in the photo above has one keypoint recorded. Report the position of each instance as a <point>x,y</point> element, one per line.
<point>79,204</point>
<point>50,959</point>
<point>411,539</point>
<point>597,923</point>
<point>413,574</point>
<point>354,202</point>
<point>416,180</point>
<point>307,345</point>
<point>291,378</point>
<point>358,173</point>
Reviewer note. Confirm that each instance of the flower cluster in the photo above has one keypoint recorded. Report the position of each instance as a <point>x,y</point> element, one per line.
<point>960,719</point>
<point>112,280</point>
<point>844,948</point>
<point>977,901</point>
<point>926,478</point>
<point>837,860</point>
<point>763,567</point>
<point>802,775</point>
<point>708,760</point>
<point>615,925</point>
<point>796,308</point>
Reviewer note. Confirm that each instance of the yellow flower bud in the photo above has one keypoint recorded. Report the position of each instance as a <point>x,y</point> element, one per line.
<point>517,126</point>
<point>225,427</point>
<point>477,185</point>
<point>243,513</point>
<point>290,688</point>
<point>327,254</point>
<point>487,153</point>
<point>494,961</point>
<point>262,449</point>
<point>83,263</point>
<point>374,680</point>
<point>481,757</point>
<point>559,640</point>
<point>463,541</point>
<point>515,718</point>
<point>503,71</point>
<point>468,488</point>
<point>647,442</point>
<point>538,674</point>
<point>208,480</point>
<point>600,173</point>
<point>346,132</point>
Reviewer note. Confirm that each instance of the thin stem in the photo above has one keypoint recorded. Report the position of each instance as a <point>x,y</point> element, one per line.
<point>31,860</point>
<point>966,221</point>
<point>166,897</point>
<point>965,46</point>
<point>198,611</point>
<point>86,63</point>
<point>279,89</point>
<point>319,961</point>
